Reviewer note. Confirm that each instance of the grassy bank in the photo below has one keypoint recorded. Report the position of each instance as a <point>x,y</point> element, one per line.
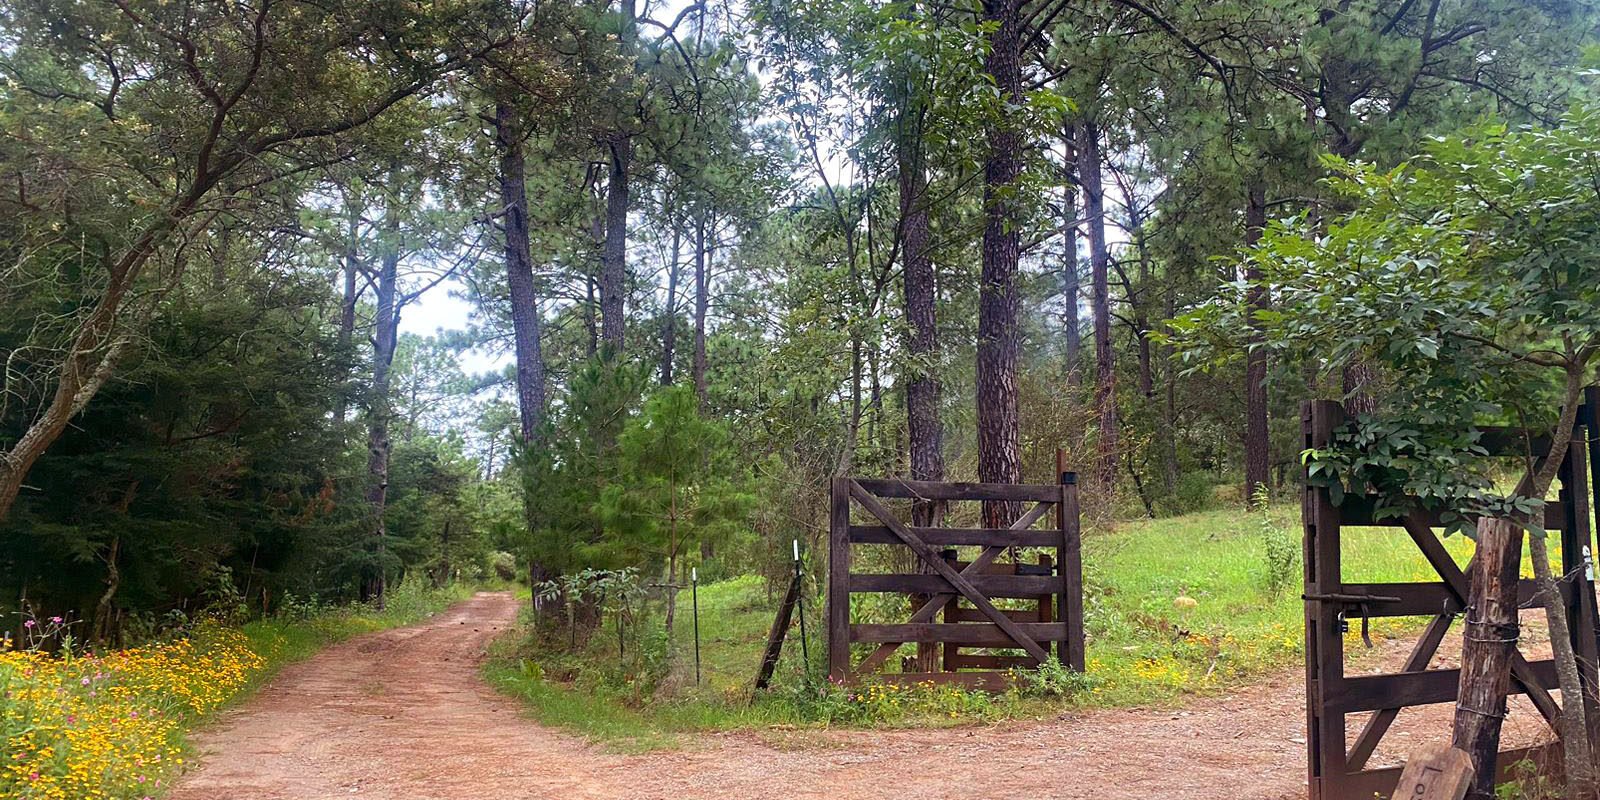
<point>1174,608</point>
<point>113,725</point>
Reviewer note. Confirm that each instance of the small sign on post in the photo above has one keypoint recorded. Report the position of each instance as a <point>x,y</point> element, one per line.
<point>1439,772</point>
<point>694,594</point>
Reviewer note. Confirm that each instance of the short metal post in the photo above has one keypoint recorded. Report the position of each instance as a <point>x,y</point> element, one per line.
<point>800,600</point>
<point>694,594</point>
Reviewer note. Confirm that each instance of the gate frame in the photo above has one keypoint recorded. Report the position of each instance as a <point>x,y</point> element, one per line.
<point>1329,603</point>
<point>948,581</point>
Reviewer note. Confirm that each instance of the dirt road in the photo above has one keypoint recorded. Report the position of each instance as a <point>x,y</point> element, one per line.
<point>403,715</point>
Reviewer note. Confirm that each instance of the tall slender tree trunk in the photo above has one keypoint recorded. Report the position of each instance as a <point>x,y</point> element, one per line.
<point>1257,442</point>
<point>998,458</point>
<point>526,323</point>
<point>385,326</point>
<point>1069,257</point>
<point>619,151</point>
<point>1105,386</point>
<point>613,282</point>
<point>525,319</point>
<point>669,321</point>
<point>1169,403</point>
<point>347,306</point>
<point>702,304</point>
<point>925,430</point>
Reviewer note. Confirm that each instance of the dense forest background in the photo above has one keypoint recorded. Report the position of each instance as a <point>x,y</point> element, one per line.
<point>715,253</point>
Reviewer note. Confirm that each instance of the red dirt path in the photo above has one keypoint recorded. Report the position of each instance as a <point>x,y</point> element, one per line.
<point>403,715</point>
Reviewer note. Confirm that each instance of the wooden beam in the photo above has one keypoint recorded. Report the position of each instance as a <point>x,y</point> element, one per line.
<point>932,490</point>
<point>963,633</point>
<point>1372,692</point>
<point>958,537</point>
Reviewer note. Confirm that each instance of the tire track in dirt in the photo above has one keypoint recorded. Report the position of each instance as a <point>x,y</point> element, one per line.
<point>404,715</point>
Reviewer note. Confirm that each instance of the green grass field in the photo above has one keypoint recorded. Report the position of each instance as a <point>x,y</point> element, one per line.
<point>1145,645</point>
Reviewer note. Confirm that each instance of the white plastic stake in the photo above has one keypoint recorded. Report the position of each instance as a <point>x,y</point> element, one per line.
<point>694,575</point>
<point>797,549</point>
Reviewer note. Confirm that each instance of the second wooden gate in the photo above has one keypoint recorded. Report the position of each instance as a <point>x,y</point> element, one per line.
<point>1338,771</point>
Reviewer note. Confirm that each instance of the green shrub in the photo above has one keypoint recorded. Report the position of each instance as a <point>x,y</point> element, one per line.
<point>1193,493</point>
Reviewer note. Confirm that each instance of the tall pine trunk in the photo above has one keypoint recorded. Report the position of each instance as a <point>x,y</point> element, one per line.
<point>702,304</point>
<point>525,320</point>
<point>1069,258</point>
<point>386,325</point>
<point>1257,443</point>
<point>669,320</point>
<point>1105,385</point>
<point>614,253</point>
<point>998,457</point>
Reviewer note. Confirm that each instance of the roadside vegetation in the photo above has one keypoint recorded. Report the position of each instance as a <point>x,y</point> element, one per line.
<point>1175,607</point>
<point>79,724</point>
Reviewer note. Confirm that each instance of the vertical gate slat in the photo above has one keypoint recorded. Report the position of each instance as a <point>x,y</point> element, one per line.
<point>1069,561</point>
<point>1325,730</point>
<point>1575,537</point>
<point>839,579</point>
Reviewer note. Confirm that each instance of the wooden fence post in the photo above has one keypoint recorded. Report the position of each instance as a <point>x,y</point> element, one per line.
<point>839,580</point>
<point>1069,563</point>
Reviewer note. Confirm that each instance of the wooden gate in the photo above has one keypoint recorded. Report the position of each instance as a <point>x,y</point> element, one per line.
<point>1331,606</point>
<point>962,591</point>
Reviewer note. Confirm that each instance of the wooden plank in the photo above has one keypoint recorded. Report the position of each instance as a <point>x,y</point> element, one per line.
<point>1575,540</point>
<point>973,615</point>
<point>1358,511</point>
<point>1401,689</point>
<point>976,681</point>
<point>958,537</point>
<point>1069,566</point>
<point>1423,599</point>
<point>1516,442</point>
<point>963,633</point>
<point>1024,586</point>
<point>964,661</point>
<point>1325,729</point>
<point>932,490</point>
<point>839,579</point>
<point>775,637</point>
<point>960,584</point>
<point>1380,783</point>
<point>1437,772</point>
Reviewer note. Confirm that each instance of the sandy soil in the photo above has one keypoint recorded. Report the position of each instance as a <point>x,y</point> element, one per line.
<point>403,715</point>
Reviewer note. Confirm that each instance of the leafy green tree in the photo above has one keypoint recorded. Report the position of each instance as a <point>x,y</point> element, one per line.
<point>1474,272</point>
<point>682,489</point>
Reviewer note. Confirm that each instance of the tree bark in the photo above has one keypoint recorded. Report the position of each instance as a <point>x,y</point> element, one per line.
<point>614,254</point>
<point>1257,442</point>
<point>925,430</point>
<point>386,325</point>
<point>998,457</point>
<point>1487,644</point>
<point>702,304</point>
<point>347,306</point>
<point>525,319</point>
<point>1105,389</point>
<point>669,321</point>
<point>1069,257</point>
